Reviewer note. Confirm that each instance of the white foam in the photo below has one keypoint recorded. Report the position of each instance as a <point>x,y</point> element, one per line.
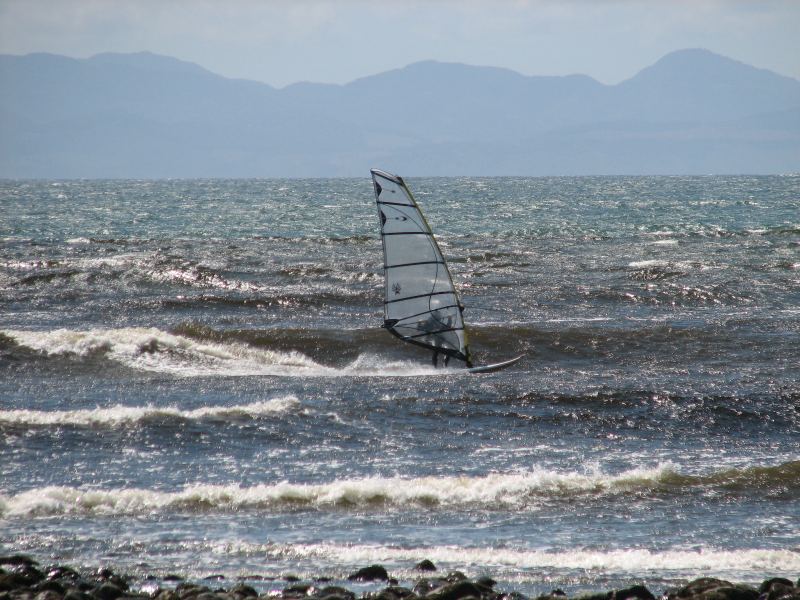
<point>643,264</point>
<point>125,415</point>
<point>710,561</point>
<point>150,349</point>
<point>496,490</point>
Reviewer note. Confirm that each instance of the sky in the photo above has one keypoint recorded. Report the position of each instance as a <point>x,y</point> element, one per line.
<point>280,42</point>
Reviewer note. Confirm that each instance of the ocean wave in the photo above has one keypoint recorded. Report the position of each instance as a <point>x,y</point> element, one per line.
<point>127,415</point>
<point>710,561</point>
<point>496,491</point>
<point>150,349</point>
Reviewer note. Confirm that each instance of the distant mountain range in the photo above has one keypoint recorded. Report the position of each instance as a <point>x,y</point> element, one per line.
<point>149,116</point>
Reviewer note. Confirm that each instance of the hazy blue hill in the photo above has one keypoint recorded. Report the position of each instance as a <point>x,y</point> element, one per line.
<point>145,115</point>
<point>698,85</point>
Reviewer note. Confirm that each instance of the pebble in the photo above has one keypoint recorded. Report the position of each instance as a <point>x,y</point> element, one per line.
<point>21,578</point>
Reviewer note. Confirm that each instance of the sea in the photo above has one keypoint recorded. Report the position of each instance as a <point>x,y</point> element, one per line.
<point>195,382</point>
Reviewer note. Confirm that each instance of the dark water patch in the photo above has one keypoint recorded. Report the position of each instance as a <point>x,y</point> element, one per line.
<point>327,346</point>
<point>46,278</point>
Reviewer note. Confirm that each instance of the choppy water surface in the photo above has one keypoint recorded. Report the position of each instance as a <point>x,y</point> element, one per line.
<point>193,380</point>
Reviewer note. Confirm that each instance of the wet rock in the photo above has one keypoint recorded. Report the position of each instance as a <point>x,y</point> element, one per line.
<point>243,590</point>
<point>76,594</point>
<point>425,565</point>
<point>24,574</point>
<point>47,595</point>
<point>51,585</point>
<point>513,596</point>
<point>733,592</point>
<point>596,596</point>
<point>291,578</point>
<point>298,590</point>
<point>60,573</point>
<point>190,590</point>
<point>18,560</point>
<point>166,595</point>
<point>778,588</point>
<point>334,592</point>
<point>455,576</point>
<point>172,577</point>
<point>486,581</point>
<point>457,591</point>
<point>424,586</point>
<point>8,582</point>
<point>370,573</point>
<point>698,587</point>
<point>635,591</point>
<point>107,591</point>
<point>767,584</point>
<point>394,592</point>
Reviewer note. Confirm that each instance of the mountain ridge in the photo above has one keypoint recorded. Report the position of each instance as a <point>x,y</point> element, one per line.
<point>147,115</point>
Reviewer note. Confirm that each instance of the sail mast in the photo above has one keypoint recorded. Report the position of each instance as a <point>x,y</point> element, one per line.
<point>421,304</point>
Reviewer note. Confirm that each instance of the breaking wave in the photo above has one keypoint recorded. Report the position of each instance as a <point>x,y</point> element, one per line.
<point>711,561</point>
<point>497,491</point>
<point>150,349</point>
<point>126,415</point>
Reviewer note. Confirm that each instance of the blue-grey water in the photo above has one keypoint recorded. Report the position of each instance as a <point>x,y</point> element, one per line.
<point>194,381</point>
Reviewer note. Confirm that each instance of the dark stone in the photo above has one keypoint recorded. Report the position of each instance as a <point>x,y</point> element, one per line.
<point>166,595</point>
<point>733,592</point>
<point>778,588</point>
<point>767,584</point>
<point>190,590</point>
<point>485,581</point>
<point>52,585</point>
<point>700,586</point>
<point>107,591</point>
<point>597,596</point>
<point>395,592</point>
<point>635,591</point>
<point>25,574</point>
<point>514,596</point>
<point>455,576</point>
<point>426,586</point>
<point>48,595</point>
<point>172,577</point>
<point>291,578</point>
<point>244,590</point>
<point>334,591</point>
<point>370,573</point>
<point>18,560</point>
<point>76,594</point>
<point>8,582</point>
<point>457,591</point>
<point>425,565</point>
<point>67,573</point>
<point>298,590</point>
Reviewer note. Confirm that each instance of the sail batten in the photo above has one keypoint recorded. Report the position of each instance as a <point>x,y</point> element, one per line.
<point>421,304</point>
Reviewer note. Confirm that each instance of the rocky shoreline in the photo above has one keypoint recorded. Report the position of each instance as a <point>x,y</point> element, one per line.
<point>23,578</point>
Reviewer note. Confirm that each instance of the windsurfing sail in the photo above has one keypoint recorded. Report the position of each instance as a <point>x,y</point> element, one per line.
<point>421,305</point>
